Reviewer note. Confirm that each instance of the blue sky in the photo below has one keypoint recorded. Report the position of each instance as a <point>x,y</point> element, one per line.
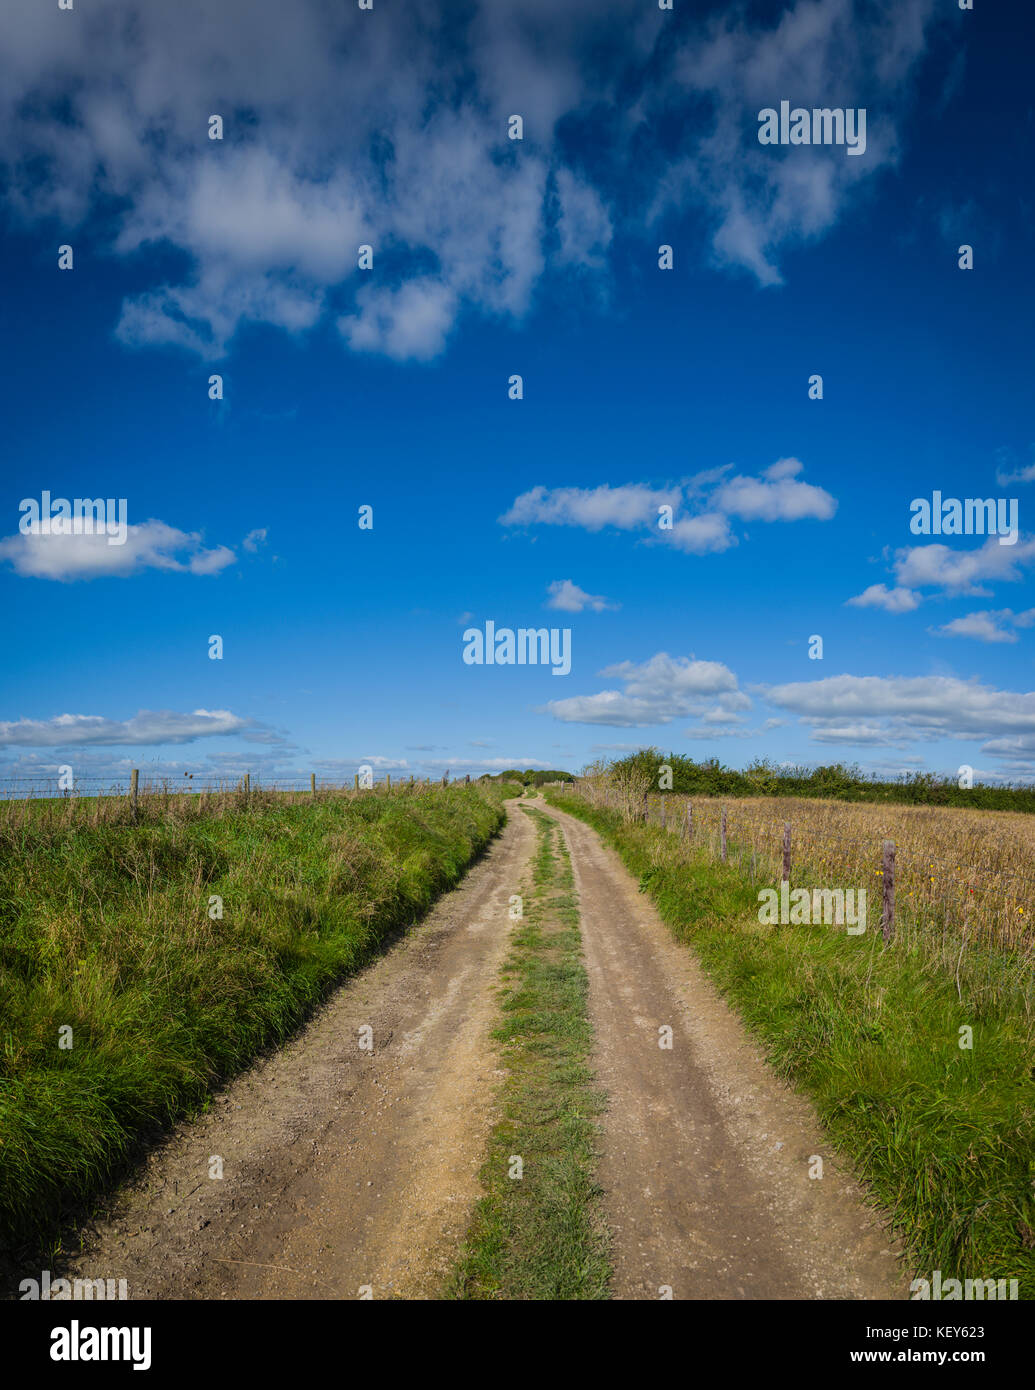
<point>389,387</point>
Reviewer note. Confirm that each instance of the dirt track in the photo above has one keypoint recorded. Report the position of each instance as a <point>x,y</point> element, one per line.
<point>705,1164</point>
<point>346,1169</point>
<point>342,1168</point>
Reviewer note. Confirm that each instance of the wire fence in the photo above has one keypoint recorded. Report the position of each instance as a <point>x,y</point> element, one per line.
<point>959,874</point>
<point>52,788</point>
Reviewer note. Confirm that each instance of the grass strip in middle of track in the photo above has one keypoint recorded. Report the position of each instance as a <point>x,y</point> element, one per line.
<point>541,1235</point>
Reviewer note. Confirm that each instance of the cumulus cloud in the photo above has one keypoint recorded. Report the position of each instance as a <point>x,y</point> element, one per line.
<point>704,534</point>
<point>701,507</point>
<point>990,625</point>
<point>890,709</point>
<point>412,321</point>
<point>151,545</point>
<point>963,571</point>
<point>891,600</point>
<point>146,727</point>
<point>950,572</point>
<point>626,507</point>
<point>571,599</point>
<point>656,692</point>
<point>777,496</point>
<point>342,130</point>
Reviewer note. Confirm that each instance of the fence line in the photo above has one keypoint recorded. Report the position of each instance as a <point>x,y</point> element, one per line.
<point>978,885</point>
<point>36,788</point>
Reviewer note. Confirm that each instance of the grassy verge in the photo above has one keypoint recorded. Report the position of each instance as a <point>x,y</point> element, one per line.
<point>541,1236</point>
<point>944,1137</point>
<point>114,932</point>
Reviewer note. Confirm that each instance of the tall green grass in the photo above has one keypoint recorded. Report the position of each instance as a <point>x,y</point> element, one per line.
<point>110,929</point>
<point>944,1137</point>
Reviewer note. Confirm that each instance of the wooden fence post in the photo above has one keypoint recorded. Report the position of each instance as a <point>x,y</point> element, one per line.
<point>645,808</point>
<point>444,776</point>
<point>312,783</point>
<point>786,851</point>
<point>247,784</point>
<point>722,835</point>
<point>662,810</point>
<point>467,779</point>
<point>887,910</point>
<point>355,782</point>
<point>134,790</point>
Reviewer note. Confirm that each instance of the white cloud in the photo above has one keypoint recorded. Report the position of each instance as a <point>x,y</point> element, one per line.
<point>891,600</point>
<point>571,599</point>
<point>627,507</point>
<point>763,199</point>
<point>254,539</point>
<point>887,709</point>
<point>342,130</point>
<point>151,545</point>
<point>963,571</point>
<point>776,496</point>
<point>990,625</point>
<point>146,727</point>
<point>1019,746</point>
<point>704,534</point>
<point>701,508</point>
<point>656,692</point>
<point>411,321</point>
